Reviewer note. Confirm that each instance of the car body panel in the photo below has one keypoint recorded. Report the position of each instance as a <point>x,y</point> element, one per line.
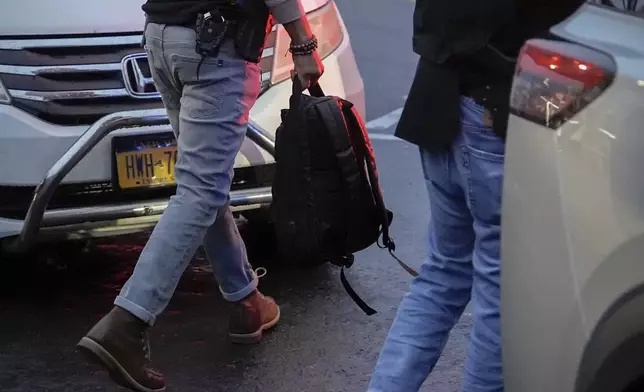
<point>45,143</point>
<point>573,215</point>
<point>30,146</point>
<point>62,17</point>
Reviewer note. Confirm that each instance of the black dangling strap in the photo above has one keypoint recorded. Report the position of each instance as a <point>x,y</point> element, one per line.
<point>369,311</point>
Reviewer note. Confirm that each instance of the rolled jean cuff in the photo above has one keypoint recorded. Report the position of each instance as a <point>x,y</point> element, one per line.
<point>135,309</point>
<point>243,293</point>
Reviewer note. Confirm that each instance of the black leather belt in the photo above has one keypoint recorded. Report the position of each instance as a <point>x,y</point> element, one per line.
<point>230,33</point>
<point>493,96</point>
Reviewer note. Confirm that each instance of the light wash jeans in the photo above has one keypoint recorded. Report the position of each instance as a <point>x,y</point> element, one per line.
<point>463,264</point>
<point>209,115</point>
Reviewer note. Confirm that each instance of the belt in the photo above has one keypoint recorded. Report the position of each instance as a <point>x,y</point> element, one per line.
<point>230,33</point>
<point>494,97</point>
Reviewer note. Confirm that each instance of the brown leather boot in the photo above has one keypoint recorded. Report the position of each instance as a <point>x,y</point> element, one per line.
<point>120,344</point>
<point>251,317</point>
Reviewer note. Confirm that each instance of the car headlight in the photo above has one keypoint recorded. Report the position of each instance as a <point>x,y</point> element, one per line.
<point>277,63</point>
<point>5,98</point>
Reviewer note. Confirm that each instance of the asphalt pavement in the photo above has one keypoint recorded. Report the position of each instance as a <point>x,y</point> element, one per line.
<point>324,343</point>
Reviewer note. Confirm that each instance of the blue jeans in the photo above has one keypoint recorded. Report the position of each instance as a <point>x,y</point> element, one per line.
<point>463,264</point>
<point>209,114</point>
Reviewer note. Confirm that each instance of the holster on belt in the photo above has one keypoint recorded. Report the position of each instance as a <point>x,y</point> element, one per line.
<point>248,24</point>
<point>253,27</point>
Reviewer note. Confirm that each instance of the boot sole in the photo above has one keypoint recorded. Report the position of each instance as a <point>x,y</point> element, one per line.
<point>255,337</point>
<point>98,355</point>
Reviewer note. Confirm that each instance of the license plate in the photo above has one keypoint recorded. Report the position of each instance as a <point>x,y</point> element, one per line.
<point>145,161</point>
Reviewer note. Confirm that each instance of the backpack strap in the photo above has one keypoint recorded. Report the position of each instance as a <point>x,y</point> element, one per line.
<point>363,145</point>
<point>334,121</point>
<point>315,90</point>
<point>295,121</point>
<point>348,262</point>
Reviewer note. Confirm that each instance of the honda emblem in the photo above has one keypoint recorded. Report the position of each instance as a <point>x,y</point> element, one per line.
<point>137,76</point>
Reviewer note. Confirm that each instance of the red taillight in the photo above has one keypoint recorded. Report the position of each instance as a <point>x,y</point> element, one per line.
<point>555,80</point>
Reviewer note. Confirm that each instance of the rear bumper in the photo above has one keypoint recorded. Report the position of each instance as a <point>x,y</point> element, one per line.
<point>78,220</point>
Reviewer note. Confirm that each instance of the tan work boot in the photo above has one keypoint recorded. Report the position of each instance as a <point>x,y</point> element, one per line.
<point>251,317</point>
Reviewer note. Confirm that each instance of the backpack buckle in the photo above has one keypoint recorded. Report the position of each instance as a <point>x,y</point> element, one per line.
<point>345,261</point>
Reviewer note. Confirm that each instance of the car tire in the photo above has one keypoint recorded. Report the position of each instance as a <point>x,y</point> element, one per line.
<point>67,251</point>
<point>258,231</point>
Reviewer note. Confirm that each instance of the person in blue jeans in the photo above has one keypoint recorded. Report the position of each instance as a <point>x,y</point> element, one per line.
<point>457,113</point>
<point>208,100</point>
<point>464,186</point>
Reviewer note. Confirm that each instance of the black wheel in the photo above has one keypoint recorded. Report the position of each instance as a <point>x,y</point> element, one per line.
<point>259,221</point>
<point>64,252</point>
<point>258,231</point>
<point>637,386</point>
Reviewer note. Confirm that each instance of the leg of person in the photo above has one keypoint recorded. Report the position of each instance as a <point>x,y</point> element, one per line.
<point>483,157</point>
<point>253,313</point>
<point>224,246</point>
<point>118,349</point>
<point>437,297</point>
<point>215,106</point>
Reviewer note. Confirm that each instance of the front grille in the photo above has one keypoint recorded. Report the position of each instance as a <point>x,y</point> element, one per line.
<point>72,81</point>
<point>16,199</point>
<point>77,80</point>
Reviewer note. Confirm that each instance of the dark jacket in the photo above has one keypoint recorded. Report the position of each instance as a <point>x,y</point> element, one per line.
<point>184,12</point>
<point>469,47</point>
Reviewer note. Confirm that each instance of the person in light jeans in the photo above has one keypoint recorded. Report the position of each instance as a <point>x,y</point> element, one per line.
<point>208,100</point>
<point>464,185</point>
<point>457,113</point>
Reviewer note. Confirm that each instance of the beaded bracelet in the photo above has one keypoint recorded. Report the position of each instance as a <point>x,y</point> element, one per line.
<point>305,48</point>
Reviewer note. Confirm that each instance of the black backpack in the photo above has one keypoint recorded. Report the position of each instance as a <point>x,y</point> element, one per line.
<point>327,202</point>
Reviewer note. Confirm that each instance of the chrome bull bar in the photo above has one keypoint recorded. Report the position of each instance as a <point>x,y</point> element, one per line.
<point>38,216</point>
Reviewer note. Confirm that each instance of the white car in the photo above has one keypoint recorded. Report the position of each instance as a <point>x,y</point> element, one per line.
<point>573,207</point>
<point>80,119</point>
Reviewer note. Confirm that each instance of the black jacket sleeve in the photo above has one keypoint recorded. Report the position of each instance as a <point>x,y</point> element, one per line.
<point>444,29</point>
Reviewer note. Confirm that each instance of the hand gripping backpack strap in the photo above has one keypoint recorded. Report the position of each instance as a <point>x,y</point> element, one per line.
<point>364,144</point>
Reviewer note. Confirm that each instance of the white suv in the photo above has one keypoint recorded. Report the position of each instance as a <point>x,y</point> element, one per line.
<point>573,207</point>
<point>85,149</point>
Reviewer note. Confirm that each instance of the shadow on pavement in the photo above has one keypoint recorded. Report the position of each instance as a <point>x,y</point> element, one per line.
<point>48,303</point>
